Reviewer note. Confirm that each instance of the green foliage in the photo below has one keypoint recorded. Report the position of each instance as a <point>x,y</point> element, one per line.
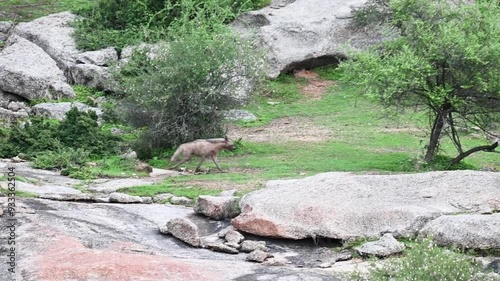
<point>58,145</point>
<point>87,95</point>
<point>181,95</point>
<point>425,261</point>
<point>373,12</point>
<point>61,158</point>
<point>445,61</point>
<point>120,23</point>
<point>152,190</point>
<point>80,130</point>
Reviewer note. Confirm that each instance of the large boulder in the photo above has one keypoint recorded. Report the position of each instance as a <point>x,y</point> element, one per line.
<point>305,33</point>
<point>346,206</point>
<point>217,207</point>
<point>465,231</point>
<point>93,76</point>
<point>27,71</point>
<point>53,34</point>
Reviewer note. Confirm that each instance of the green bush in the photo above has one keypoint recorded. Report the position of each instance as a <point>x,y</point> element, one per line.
<point>425,261</point>
<point>120,23</point>
<point>42,136</point>
<point>59,159</point>
<point>181,95</point>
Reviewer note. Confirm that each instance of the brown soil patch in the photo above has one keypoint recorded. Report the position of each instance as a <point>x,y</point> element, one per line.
<point>316,87</point>
<point>298,129</point>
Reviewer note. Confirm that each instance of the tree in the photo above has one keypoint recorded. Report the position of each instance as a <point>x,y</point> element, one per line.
<point>444,57</point>
<point>181,94</point>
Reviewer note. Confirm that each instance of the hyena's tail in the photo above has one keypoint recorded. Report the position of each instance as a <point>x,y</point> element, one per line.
<point>177,155</point>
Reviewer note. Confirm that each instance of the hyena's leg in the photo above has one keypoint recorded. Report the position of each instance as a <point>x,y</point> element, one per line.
<point>184,160</point>
<point>214,158</point>
<point>199,165</point>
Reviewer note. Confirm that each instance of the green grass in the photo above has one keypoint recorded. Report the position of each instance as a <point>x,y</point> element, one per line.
<point>116,167</point>
<point>27,10</point>
<point>152,190</point>
<point>19,193</point>
<point>425,261</point>
<point>361,139</point>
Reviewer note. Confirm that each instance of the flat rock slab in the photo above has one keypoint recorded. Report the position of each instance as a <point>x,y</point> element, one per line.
<point>45,189</point>
<point>346,205</point>
<point>465,231</point>
<point>76,241</point>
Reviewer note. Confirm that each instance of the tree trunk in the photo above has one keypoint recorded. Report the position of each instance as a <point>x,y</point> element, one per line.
<point>437,129</point>
<point>461,156</point>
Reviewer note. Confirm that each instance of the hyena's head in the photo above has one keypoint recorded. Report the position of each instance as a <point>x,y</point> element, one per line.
<point>228,144</point>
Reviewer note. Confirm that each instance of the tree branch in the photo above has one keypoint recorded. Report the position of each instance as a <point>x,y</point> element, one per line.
<point>487,148</point>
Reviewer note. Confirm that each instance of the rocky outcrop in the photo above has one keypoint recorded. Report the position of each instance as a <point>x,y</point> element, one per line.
<point>346,206</point>
<point>387,245</point>
<point>58,110</point>
<point>305,33</point>
<point>20,76</point>
<point>217,207</point>
<point>465,231</point>
<point>53,34</point>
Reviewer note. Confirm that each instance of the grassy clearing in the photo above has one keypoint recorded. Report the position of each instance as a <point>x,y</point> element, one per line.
<point>115,167</point>
<point>27,10</point>
<point>361,139</point>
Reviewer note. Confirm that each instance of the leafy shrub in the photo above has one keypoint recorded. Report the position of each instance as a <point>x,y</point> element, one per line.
<point>41,135</point>
<point>81,130</point>
<point>181,95</point>
<point>62,158</point>
<point>120,23</point>
<point>373,12</point>
<point>425,261</point>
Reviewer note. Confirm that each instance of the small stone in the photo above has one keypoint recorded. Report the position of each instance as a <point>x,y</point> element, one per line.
<point>181,200</point>
<point>217,207</point>
<point>342,256</point>
<point>144,167</point>
<point>223,232</point>
<point>233,236</point>
<point>17,159</point>
<point>147,200</point>
<point>164,197</point>
<point>102,200</point>
<point>184,230</point>
<point>233,245</point>
<point>387,245</point>
<point>163,229</point>
<point>117,197</point>
<point>248,246</point>
<point>129,155</point>
<point>219,247</point>
<point>258,256</point>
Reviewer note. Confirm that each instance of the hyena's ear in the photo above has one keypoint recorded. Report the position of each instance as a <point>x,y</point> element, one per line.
<point>226,138</point>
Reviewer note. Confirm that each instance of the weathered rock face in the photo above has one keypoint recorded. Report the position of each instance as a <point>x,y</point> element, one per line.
<point>304,33</point>
<point>104,57</point>
<point>467,231</point>
<point>345,205</point>
<point>387,245</point>
<point>185,230</point>
<point>20,76</point>
<point>58,110</point>
<point>53,34</point>
<point>217,207</point>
